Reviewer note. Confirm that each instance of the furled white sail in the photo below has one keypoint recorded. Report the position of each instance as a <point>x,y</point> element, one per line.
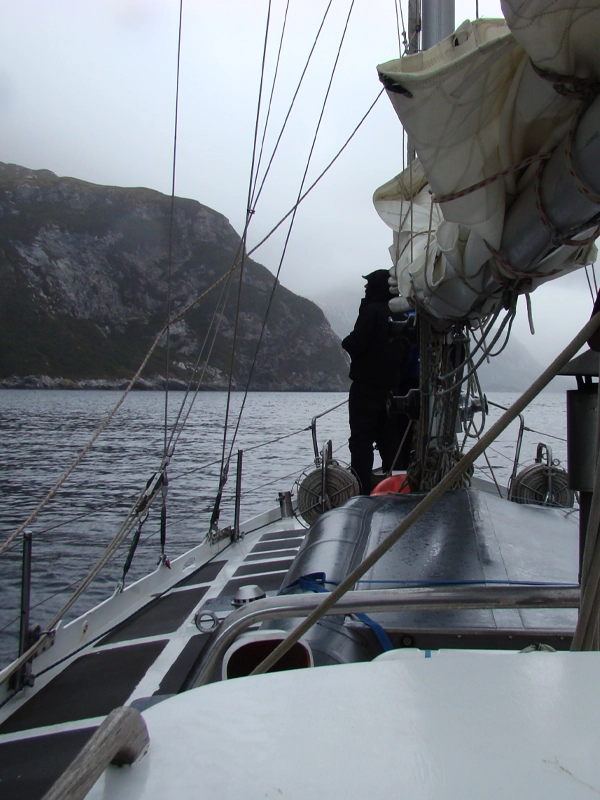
<point>493,95</point>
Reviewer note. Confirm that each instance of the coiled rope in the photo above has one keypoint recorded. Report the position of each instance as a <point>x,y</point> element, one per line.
<point>540,484</point>
<point>341,485</point>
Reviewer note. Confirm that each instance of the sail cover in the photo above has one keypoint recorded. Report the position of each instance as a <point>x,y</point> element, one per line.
<point>493,95</point>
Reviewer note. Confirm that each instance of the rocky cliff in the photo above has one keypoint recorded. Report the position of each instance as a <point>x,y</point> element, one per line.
<point>83,271</point>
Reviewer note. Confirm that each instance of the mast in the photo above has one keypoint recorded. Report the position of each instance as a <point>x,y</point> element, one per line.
<point>414,26</point>
<point>437,21</point>
<point>441,353</point>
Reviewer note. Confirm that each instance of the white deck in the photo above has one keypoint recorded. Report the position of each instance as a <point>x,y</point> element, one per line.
<point>453,724</point>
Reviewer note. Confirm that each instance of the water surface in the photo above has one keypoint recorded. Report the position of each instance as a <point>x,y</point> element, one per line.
<point>42,431</point>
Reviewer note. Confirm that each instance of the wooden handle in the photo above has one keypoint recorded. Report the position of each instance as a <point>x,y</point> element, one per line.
<point>120,739</point>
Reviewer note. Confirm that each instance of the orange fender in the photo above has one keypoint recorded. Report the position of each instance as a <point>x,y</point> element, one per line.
<point>396,483</point>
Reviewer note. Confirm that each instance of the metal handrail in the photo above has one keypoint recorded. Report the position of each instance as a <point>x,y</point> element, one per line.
<point>372,601</point>
<point>120,739</point>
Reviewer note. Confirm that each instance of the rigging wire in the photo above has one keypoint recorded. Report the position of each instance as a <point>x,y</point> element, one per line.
<point>270,103</point>
<point>171,228</point>
<point>290,228</point>
<point>587,276</point>
<point>292,103</point>
<point>178,428</point>
<point>276,227</point>
<point>171,322</point>
<point>249,212</point>
<point>398,28</point>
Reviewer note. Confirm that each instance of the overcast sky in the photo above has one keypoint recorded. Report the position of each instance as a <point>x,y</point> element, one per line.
<point>87,89</point>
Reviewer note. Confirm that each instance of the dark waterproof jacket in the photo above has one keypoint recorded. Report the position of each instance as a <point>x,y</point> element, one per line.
<point>375,359</point>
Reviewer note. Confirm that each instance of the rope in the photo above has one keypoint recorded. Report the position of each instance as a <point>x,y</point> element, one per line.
<point>557,237</point>
<point>341,486</point>
<point>526,162</point>
<point>508,319</point>
<point>429,500</point>
<point>569,85</point>
<point>592,196</point>
<point>539,484</point>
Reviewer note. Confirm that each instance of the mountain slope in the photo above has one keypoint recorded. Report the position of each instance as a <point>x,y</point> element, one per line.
<point>83,270</point>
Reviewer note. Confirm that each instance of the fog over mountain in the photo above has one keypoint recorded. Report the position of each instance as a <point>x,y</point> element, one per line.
<point>513,370</point>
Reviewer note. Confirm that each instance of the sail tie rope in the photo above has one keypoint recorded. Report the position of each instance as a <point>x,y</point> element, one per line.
<point>526,162</point>
<point>569,85</point>
<point>557,237</point>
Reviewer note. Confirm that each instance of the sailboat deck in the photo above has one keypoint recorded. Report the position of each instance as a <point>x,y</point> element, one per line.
<point>152,650</point>
<point>143,658</point>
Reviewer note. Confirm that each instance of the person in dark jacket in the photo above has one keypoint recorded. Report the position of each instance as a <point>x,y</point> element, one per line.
<point>375,369</point>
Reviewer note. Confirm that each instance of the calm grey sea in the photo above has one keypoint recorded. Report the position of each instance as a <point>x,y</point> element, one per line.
<point>42,431</point>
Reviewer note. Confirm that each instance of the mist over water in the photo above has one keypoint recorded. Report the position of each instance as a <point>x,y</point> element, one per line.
<point>41,432</point>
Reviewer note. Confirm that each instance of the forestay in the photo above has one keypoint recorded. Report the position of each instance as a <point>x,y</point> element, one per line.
<point>476,106</point>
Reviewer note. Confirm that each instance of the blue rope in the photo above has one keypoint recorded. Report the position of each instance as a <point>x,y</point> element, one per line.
<point>316,582</point>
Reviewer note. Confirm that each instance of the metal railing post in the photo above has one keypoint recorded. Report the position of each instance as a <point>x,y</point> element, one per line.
<point>22,678</point>
<point>238,493</point>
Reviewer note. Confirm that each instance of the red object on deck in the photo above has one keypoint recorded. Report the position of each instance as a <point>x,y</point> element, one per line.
<point>396,483</point>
